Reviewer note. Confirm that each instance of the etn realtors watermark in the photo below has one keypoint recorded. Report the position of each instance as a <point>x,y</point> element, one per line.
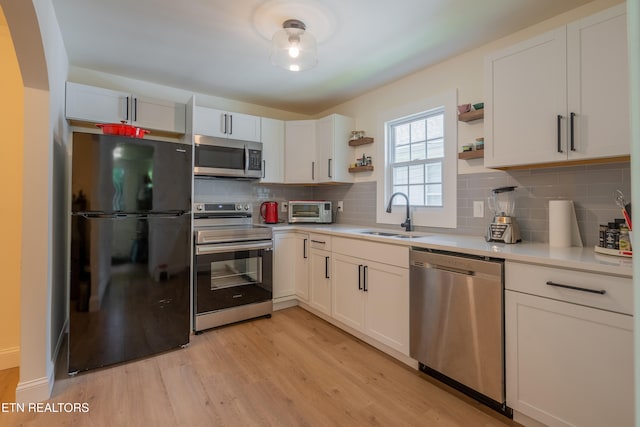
<point>45,407</point>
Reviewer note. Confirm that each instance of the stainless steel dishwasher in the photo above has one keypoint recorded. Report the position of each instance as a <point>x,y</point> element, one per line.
<point>457,322</point>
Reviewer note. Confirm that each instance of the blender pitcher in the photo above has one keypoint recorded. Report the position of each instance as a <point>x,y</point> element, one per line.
<point>502,201</point>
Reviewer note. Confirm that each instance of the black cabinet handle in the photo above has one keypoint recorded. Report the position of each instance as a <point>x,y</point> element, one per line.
<point>304,249</point>
<point>326,267</point>
<point>577,288</point>
<point>230,124</point>
<point>126,106</point>
<point>572,116</point>
<point>224,124</point>
<point>559,133</point>
<point>329,168</point>
<point>264,169</point>
<point>135,109</point>
<point>360,277</point>
<point>365,278</point>
<point>313,171</point>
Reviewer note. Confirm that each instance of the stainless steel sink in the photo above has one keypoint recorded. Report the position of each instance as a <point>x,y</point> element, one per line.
<point>380,233</point>
<point>392,234</point>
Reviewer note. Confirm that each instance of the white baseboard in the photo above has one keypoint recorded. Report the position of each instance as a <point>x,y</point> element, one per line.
<point>282,303</point>
<point>40,389</point>
<point>9,357</point>
<point>36,390</point>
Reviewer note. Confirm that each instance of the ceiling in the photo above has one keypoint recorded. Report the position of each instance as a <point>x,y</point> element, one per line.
<point>221,47</point>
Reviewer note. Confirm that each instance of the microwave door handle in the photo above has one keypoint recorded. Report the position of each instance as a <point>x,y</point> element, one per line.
<point>246,160</point>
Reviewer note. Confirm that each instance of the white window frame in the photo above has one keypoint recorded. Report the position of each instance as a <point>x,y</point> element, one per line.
<point>424,216</point>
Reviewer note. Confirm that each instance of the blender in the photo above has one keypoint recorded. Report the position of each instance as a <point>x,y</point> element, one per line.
<point>504,227</point>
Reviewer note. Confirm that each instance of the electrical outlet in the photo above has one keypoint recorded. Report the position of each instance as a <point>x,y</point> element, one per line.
<point>478,209</point>
<point>340,206</point>
<point>284,207</point>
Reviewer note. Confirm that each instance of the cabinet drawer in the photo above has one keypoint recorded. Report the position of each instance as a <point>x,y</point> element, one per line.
<point>533,279</point>
<point>320,241</point>
<point>380,252</point>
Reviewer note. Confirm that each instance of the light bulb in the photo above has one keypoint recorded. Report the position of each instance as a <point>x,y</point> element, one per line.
<point>294,67</point>
<point>294,51</point>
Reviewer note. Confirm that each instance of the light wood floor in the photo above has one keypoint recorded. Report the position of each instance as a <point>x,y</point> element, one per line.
<point>291,370</point>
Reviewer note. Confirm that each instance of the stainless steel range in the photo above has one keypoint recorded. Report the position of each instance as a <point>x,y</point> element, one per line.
<point>232,265</point>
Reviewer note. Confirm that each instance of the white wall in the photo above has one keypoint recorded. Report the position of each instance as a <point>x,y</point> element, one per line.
<point>633,20</point>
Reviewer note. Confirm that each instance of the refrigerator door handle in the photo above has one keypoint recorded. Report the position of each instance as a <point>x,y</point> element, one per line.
<point>141,215</point>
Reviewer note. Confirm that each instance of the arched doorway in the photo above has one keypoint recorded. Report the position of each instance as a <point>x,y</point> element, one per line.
<point>32,213</point>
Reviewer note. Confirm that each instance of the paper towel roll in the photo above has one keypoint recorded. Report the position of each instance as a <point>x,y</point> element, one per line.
<point>563,226</point>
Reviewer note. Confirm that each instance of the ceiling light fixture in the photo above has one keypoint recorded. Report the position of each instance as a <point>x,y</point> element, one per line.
<point>292,48</point>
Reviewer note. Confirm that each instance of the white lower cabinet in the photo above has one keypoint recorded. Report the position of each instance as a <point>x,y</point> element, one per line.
<point>290,265</point>
<point>371,296</point>
<point>320,273</point>
<point>568,363</point>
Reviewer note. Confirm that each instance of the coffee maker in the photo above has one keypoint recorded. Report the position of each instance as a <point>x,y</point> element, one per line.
<point>504,227</point>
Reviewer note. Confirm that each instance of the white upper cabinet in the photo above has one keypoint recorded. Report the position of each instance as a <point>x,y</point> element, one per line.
<point>299,152</point>
<point>224,124</point>
<point>98,105</point>
<point>560,96</point>
<point>317,151</point>
<point>333,152</point>
<point>598,91</point>
<point>272,132</point>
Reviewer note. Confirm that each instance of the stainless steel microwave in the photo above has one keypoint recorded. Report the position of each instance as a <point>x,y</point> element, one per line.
<point>227,157</point>
<point>314,211</point>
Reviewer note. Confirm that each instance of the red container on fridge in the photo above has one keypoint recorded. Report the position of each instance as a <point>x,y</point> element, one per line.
<point>269,212</point>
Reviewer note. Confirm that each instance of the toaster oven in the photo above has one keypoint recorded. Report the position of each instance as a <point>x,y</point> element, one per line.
<point>310,211</point>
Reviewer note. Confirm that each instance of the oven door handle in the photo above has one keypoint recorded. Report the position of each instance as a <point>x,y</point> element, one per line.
<point>214,249</point>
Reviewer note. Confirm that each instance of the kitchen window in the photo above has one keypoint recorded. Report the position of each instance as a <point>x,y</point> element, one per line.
<point>420,161</point>
<point>416,156</point>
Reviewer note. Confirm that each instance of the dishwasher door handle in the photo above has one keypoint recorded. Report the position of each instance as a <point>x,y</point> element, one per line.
<point>454,270</point>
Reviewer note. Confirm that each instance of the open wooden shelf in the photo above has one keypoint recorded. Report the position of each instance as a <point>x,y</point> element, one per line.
<point>468,155</point>
<point>361,141</point>
<point>361,169</point>
<point>472,115</point>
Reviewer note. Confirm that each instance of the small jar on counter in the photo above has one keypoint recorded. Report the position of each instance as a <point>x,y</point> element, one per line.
<point>602,235</point>
<point>612,236</point>
<point>624,242</point>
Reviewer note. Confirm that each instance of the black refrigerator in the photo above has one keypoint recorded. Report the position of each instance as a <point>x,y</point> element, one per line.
<point>129,286</point>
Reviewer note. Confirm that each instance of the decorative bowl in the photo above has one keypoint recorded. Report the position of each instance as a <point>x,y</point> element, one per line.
<point>463,108</point>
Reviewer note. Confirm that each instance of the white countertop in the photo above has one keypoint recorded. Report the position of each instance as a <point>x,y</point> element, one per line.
<point>579,258</point>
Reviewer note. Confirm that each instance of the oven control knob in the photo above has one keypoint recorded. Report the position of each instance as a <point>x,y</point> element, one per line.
<point>199,207</point>
<point>238,207</point>
<point>246,207</point>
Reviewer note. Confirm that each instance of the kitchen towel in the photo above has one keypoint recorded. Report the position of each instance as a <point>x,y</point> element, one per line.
<point>563,225</point>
